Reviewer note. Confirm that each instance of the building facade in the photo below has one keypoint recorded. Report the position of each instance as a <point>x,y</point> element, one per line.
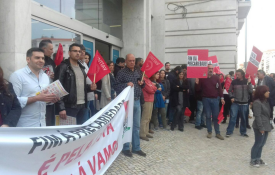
<point>115,28</point>
<point>268,62</point>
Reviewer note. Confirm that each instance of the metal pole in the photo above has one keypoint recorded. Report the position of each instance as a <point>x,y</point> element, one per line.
<point>60,6</point>
<point>246,60</point>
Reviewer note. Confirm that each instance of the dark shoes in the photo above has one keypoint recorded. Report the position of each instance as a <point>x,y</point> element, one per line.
<point>149,136</point>
<point>248,127</point>
<point>204,126</point>
<point>151,131</point>
<point>198,127</point>
<point>224,121</point>
<point>127,153</point>
<point>181,130</point>
<point>244,135</point>
<point>140,153</point>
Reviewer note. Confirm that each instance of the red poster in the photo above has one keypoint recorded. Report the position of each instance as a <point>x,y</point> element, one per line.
<point>254,62</point>
<point>197,63</point>
<point>221,117</point>
<point>151,65</point>
<point>98,68</point>
<point>214,61</point>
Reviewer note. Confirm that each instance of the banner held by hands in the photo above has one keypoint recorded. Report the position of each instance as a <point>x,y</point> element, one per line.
<point>253,64</point>
<point>197,62</point>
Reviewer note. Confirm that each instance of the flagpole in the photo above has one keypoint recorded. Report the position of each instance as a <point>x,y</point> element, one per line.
<point>143,76</point>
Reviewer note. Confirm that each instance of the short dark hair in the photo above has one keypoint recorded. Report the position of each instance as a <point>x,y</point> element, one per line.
<point>138,60</point>
<point>231,73</point>
<point>184,66</point>
<point>44,43</point>
<point>82,47</point>
<point>74,45</point>
<point>109,62</point>
<point>178,68</point>
<point>34,49</point>
<point>259,93</point>
<point>241,71</point>
<point>120,60</point>
<point>262,72</point>
<point>167,63</point>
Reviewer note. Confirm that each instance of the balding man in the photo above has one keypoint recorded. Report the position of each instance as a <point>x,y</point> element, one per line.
<point>130,76</point>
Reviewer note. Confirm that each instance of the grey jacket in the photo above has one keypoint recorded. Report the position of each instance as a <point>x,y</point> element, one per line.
<point>261,112</point>
<point>240,91</point>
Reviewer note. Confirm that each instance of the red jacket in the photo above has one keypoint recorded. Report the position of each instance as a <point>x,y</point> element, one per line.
<point>149,90</point>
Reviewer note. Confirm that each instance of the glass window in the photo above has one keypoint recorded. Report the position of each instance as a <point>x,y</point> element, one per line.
<point>105,15</point>
<point>41,31</point>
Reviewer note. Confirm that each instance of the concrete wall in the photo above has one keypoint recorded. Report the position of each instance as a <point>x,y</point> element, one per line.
<point>15,35</point>
<point>211,25</point>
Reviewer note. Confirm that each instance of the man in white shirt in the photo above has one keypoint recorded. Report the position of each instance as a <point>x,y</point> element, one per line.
<point>27,82</point>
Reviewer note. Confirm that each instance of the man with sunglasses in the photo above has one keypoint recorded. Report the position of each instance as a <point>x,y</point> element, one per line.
<point>71,74</point>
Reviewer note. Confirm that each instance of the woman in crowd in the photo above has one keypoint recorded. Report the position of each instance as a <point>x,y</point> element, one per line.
<point>179,99</point>
<point>166,86</point>
<point>159,102</point>
<point>227,100</point>
<point>107,89</point>
<point>147,108</point>
<point>10,110</point>
<point>87,58</point>
<point>261,125</point>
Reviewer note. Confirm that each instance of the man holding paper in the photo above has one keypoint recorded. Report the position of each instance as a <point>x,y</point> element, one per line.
<point>26,83</point>
<point>72,76</point>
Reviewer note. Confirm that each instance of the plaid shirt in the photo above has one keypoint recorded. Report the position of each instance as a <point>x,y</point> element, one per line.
<point>125,76</point>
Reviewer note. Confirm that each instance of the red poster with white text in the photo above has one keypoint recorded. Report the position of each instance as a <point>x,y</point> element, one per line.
<point>197,63</point>
<point>254,62</point>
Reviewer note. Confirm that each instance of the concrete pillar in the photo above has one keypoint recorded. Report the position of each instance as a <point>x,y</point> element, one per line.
<point>134,27</point>
<point>15,34</point>
<point>158,29</point>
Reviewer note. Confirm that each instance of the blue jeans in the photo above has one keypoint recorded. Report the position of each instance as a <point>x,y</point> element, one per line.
<point>136,127</point>
<point>260,140</point>
<point>200,115</point>
<point>211,106</point>
<point>241,110</point>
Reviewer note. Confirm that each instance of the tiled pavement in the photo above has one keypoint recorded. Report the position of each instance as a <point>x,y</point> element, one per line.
<point>190,152</point>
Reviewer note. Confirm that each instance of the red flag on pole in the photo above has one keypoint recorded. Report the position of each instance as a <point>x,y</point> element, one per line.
<point>98,68</point>
<point>151,65</point>
<point>59,55</point>
<point>221,117</point>
<point>253,64</point>
<point>227,83</point>
<point>187,112</point>
<point>197,63</point>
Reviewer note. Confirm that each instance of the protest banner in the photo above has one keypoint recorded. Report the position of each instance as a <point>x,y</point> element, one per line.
<point>70,150</point>
<point>253,64</point>
<point>214,61</point>
<point>98,68</point>
<point>59,55</point>
<point>151,65</point>
<point>197,63</point>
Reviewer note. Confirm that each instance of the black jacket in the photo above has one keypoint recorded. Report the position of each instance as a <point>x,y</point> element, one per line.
<point>49,61</point>
<point>65,74</point>
<point>166,86</point>
<point>116,69</point>
<point>9,107</point>
<point>270,83</point>
<point>176,87</point>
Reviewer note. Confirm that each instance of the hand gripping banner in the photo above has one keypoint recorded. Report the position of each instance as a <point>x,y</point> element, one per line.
<point>69,150</point>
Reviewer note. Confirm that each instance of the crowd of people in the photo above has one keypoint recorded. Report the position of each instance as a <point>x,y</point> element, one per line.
<point>160,101</point>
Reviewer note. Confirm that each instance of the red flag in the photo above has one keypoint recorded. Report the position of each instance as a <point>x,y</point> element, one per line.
<point>221,78</point>
<point>197,63</point>
<point>98,68</point>
<point>151,65</point>
<point>227,83</point>
<point>214,61</point>
<point>187,112</point>
<point>221,117</point>
<point>59,55</point>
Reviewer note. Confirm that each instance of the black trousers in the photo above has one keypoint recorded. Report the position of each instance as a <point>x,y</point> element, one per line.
<point>193,106</point>
<point>50,115</point>
<point>226,106</point>
<point>179,117</point>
